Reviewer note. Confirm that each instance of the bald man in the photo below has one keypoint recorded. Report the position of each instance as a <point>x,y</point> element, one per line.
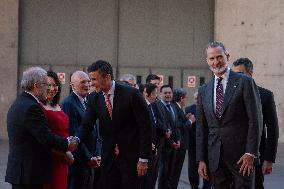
<point>81,173</point>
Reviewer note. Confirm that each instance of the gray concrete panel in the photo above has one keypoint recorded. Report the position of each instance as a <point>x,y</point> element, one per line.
<point>97,31</point>
<point>8,58</point>
<point>254,29</point>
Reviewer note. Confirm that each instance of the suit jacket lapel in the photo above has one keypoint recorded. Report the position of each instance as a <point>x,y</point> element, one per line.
<point>116,98</point>
<point>210,96</point>
<point>230,89</point>
<point>77,100</point>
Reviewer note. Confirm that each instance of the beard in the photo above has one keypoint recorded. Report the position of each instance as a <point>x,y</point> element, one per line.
<point>219,70</point>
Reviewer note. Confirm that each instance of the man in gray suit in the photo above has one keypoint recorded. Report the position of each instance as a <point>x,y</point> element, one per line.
<point>229,120</point>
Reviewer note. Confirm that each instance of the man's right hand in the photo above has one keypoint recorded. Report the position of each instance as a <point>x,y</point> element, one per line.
<point>94,162</point>
<point>202,170</point>
<point>73,143</point>
<point>168,133</point>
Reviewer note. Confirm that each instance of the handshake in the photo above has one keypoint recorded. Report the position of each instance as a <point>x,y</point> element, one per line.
<point>73,143</point>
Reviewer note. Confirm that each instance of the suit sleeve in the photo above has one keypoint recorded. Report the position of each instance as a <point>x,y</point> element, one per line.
<point>201,131</point>
<point>88,121</point>
<point>36,124</point>
<point>182,122</point>
<point>82,152</point>
<point>254,113</point>
<point>142,117</point>
<point>271,123</point>
<point>70,110</point>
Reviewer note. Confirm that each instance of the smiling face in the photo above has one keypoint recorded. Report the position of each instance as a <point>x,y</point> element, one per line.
<point>52,88</point>
<point>102,82</point>
<point>217,60</point>
<point>166,94</point>
<point>80,83</point>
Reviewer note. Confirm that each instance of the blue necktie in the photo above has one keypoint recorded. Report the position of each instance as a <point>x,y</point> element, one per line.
<point>170,111</point>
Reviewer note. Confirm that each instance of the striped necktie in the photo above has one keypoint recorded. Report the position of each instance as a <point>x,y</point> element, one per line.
<point>219,98</point>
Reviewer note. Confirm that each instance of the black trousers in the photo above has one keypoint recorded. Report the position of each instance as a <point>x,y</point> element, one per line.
<point>149,180</point>
<point>193,175</point>
<point>178,163</point>
<point>27,186</point>
<point>121,175</point>
<point>227,176</point>
<point>259,178</point>
<point>165,179</point>
<point>81,177</point>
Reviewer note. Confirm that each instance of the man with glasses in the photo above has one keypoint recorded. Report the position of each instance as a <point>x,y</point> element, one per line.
<point>30,141</point>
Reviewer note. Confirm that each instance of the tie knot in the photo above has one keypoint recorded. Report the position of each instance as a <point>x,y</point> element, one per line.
<point>219,79</point>
<point>107,96</point>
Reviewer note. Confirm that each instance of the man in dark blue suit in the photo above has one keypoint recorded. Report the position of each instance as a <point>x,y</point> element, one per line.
<point>30,141</point>
<point>81,173</point>
<point>125,129</point>
<point>183,124</point>
<point>229,120</point>
<point>172,144</point>
<point>270,132</point>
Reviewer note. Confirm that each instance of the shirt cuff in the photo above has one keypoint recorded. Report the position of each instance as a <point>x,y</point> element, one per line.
<point>143,160</point>
<point>250,155</point>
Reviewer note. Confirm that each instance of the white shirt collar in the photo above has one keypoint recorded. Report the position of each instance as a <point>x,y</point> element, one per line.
<point>33,96</point>
<point>179,105</point>
<point>111,91</point>
<point>80,98</point>
<point>147,101</point>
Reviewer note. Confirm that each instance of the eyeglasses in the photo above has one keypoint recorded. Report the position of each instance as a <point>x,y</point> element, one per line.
<point>49,86</point>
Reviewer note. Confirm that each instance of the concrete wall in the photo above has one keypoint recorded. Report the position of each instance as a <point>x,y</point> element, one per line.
<point>8,58</point>
<point>254,29</point>
<point>160,36</point>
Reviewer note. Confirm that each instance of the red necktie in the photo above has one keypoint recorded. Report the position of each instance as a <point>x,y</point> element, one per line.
<point>108,105</point>
<point>109,109</point>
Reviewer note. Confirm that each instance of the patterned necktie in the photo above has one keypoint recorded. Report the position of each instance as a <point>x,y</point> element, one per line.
<point>219,98</point>
<point>108,105</point>
<point>85,104</point>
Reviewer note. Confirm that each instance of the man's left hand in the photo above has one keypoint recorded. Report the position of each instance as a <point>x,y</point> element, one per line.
<point>267,167</point>
<point>142,168</point>
<point>246,164</point>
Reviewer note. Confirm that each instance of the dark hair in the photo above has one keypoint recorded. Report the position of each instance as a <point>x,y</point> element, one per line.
<point>150,88</point>
<point>151,77</point>
<point>165,86</point>
<point>56,98</point>
<point>215,44</point>
<point>246,62</point>
<point>141,88</point>
<point>102,66</point>
<point>178,94</point>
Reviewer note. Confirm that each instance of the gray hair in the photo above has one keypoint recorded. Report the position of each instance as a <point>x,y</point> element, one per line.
<point>127,77</point>
<point>32,76</point>
<point>178,94</point>
<point>215,44</point>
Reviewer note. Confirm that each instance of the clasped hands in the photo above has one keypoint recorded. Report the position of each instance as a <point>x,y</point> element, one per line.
<point>142,168</point>
<point>95,162</point>
<point>73,143</point>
